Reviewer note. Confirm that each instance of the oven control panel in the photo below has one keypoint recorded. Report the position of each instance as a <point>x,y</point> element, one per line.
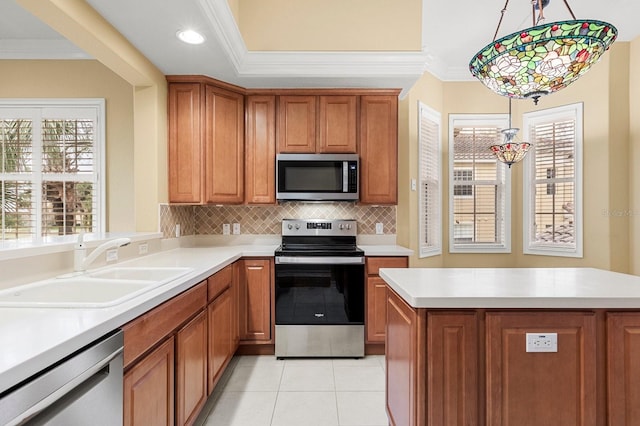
<point>302,227</point>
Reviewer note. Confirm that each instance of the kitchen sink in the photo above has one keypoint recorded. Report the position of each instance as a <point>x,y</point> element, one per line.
<point>99,289</point>
<point>140,273</point>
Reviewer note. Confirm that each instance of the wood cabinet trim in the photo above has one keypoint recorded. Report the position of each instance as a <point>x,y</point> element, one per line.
<point>219,282</point>
<point>149,329</point>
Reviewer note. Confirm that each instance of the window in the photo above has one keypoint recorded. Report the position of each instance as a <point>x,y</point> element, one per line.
<point>430,181</point>
<point>553,182</point>
<point>479,186</point>
<point>50,163</point>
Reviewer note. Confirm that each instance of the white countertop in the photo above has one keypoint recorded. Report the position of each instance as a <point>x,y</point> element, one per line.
<point>33,339</point>
<point>535,288</point>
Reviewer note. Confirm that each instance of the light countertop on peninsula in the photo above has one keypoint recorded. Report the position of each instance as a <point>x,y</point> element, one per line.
<point>534,288</point>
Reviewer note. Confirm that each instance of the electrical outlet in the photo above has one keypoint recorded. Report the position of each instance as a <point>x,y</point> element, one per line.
<point>379,228</point>
<point>226,229</point>
<point>177,230</point>
<point>542,342</point>
<point>112,255</point>
<point>143,248</point>
<point>236,229</point>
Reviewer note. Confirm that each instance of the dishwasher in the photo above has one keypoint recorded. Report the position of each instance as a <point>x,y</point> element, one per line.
<point>84,388</point>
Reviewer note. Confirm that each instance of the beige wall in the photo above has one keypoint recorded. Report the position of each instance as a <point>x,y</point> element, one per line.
<point>330,25</point>
<point>634,157</point>
<point>602,91</point>
<point>87,79</point>
<point>82,25</point>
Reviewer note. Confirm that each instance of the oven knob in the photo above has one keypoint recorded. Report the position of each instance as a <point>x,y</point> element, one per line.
<point>297,226</point>
<point>289,226</point>
<point>348,226</point>
<point>341,226</point>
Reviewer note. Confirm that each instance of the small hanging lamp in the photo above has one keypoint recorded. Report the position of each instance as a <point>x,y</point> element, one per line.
<point>510,151</point>
<point>543,59</point>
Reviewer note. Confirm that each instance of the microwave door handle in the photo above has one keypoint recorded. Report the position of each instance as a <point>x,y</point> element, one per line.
<point>345,176</point>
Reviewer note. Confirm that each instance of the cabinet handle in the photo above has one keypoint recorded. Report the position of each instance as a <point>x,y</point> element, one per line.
<point>254,267</point>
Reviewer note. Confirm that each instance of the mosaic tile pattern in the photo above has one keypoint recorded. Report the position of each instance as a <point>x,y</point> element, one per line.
<point>172,215</point>
<point>206,220</point>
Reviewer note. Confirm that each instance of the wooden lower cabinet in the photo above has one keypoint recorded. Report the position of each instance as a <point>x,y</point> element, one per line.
<point>376,295</point>
<point>452,365</point>
<point>405,372</point>
<point>191,369</point>
<point>149,389</point>
<point>623,369</point>
<point>558,387</point>
<point>254,286</point>
<point>221,338</point>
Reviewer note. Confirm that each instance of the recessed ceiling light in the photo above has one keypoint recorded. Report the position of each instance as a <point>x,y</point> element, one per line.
<point>190,36</point>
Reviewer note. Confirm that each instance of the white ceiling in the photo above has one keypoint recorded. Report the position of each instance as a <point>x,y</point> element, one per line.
<point>453,31</point>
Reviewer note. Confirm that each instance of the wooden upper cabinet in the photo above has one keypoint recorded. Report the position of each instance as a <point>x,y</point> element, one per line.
<point>297,124</point>
<point>224,146</point>
<point>337,124</point>
<point>379,149</point>
<point>260,143</point>
<point>185,143</point>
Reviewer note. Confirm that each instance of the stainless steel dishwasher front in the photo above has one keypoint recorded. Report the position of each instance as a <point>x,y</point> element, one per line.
<point>82,389</point>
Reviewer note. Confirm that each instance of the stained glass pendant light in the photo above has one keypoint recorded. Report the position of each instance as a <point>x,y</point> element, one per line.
<point>510,151</point>
<point>543,59</point>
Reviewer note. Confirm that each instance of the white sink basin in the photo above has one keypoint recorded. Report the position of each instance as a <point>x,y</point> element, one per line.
<point>159,273</point>
<point>101,289</point>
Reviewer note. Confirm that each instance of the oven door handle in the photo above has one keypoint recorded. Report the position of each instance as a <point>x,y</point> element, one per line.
<point>319,260</point>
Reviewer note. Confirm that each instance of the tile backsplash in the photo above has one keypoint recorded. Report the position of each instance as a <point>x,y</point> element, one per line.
<point>260,220</point>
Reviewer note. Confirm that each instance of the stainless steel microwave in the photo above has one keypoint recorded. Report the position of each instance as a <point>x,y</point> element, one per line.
<point>317,177</point>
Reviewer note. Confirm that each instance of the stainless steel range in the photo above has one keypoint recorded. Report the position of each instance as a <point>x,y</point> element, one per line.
<point>319,282</point>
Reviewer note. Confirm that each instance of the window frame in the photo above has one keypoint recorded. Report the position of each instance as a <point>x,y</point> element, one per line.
<point>426,249</point>
<point>500,121</point>
<point>84,107</point>
<point>574,111</point>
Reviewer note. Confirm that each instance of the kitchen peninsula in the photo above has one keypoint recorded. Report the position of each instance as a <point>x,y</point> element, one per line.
<point>485,346</point>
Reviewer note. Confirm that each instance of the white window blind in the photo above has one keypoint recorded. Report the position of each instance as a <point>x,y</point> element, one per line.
<point>479,186</point>
<point>50,167</point>
<point>553,180</point>
<point>430,173</point>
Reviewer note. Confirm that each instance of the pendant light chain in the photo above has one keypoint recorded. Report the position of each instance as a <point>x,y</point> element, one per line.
<point>504,9</point>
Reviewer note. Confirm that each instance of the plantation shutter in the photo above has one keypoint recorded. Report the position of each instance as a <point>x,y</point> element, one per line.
<point>553,182</point>
<point>430,182</point>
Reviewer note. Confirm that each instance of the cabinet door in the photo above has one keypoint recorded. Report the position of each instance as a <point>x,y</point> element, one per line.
<point>224,146</point>
<point>377,295</point>
<point>379,150</point>
<point>452,365</point>
<point>297,124</point>
<point>404,339</point>
<point>623,369</point>
<point>191,369</point>
<point>559,387</point>
<point>337,123</point>
<point>220,336</point>
<point>185,143</point>
<point>148,389</point>
<point>261,150</point>
<point>255,300</point>
<point>376,309</point>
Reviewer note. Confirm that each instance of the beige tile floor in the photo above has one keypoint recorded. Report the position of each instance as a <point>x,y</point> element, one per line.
<point>264,391</point>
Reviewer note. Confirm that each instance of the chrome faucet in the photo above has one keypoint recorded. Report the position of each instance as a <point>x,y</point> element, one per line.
<point>80,259</point>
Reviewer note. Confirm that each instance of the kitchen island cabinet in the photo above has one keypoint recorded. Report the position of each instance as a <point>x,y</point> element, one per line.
<point>459,350</point>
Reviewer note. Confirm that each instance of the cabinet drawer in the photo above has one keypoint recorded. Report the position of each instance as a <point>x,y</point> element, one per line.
<point>375,263</point>
<point>146,331</point>
<point>219,282</point>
